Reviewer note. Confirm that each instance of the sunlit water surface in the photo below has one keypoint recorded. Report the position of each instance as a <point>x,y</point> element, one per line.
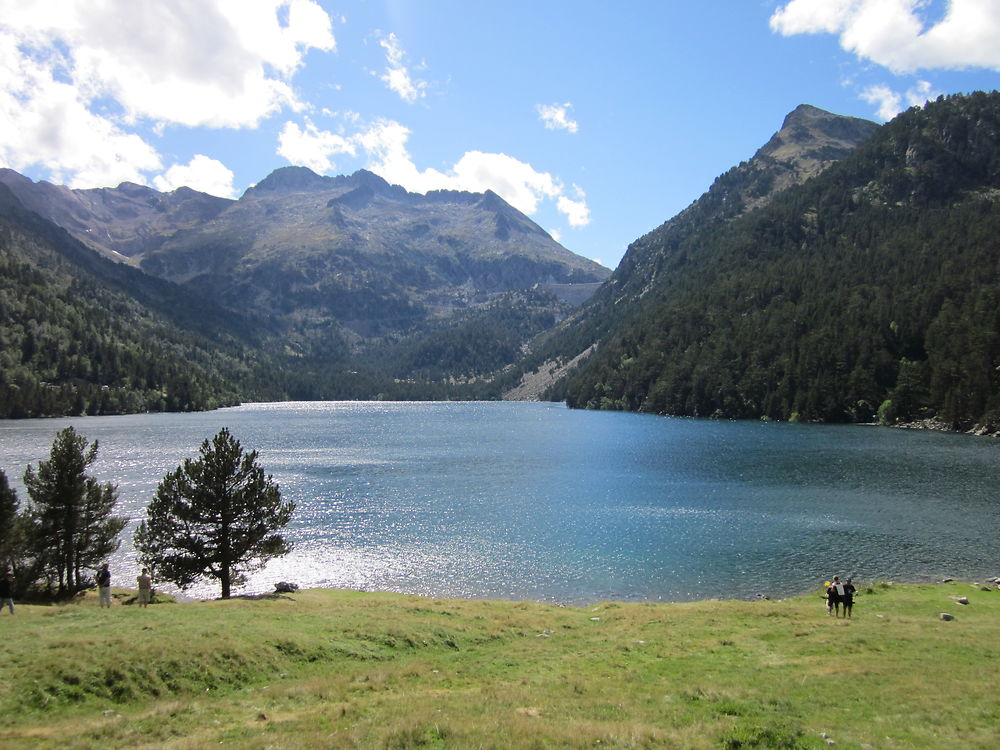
<point>535,501</point>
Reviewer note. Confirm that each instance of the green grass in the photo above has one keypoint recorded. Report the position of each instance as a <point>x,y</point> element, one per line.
<point>338,669</point>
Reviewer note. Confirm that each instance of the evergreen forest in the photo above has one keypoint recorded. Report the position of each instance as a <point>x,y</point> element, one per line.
<point>80,334</point>
<point>868,293</point>
<point>77,338</point>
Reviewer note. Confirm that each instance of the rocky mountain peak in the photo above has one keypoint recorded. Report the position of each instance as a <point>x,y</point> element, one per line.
<point>811,139</point>
<point>289,180</point>
<point>493,202</point>
<point>362,185</point>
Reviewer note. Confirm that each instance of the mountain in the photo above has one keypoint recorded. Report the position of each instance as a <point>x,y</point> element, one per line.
<point>121,222</point>
<point>350,253</point>
<point>871,290</point>
<point>362,253</point>
<point>846,272</point>
<point>82,334</point>
<point>809,141</point>
<point>308,287</point>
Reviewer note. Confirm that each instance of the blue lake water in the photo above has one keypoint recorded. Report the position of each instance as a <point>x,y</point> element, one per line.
<point>536,501</point>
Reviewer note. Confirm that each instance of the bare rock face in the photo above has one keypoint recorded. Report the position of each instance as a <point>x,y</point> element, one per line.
<point>366,253</point>
<point>810,140</point>
<point>123,222</point>
<point>349,250</point>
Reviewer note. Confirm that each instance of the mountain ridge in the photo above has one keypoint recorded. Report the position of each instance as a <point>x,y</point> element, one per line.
<point>351,250</point>
<point>865,289</point>
<point>119,222</point>
<point>790,157</point>
<point>868,293</point>
<point>360,251</point>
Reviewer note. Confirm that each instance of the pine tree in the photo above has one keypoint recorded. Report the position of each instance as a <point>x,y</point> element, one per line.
<point>8,524</point>
<point>214,516</point>
<point>71,523</point>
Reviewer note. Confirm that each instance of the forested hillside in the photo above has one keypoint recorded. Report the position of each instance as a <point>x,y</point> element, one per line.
<point>308,288</point>
<point>82,335</point>
<point>809,141</point>
<point>871,291</point>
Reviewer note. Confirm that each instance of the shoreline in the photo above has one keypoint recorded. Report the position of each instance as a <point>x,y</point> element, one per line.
<point>931,424</point>
<point>990,583</point>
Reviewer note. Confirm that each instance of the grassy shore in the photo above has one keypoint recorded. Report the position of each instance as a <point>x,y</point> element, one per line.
<point>337,669</point>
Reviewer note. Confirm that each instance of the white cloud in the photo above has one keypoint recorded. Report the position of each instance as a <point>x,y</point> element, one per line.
<point>384,143</point>
<point>201,173</point>
<point>556,117</point>
<point>894,33</point>
<point>515,181</point>
<point>312,147</point>
<point>576,211</point>
<point>890,102</point>
<point>43,121</point>
<point>397,76</point>
<point>575,208</point>
<point>73,78</point>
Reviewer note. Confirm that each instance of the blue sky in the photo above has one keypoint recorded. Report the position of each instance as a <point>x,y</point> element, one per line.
<point>599,120</point>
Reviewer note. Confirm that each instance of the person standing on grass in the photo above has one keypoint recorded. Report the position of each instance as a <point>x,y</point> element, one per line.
<point>834,595</point>
<point>7,591</point>
<point>145,587</point>
<point>848,599</point>
<point>104,586</point>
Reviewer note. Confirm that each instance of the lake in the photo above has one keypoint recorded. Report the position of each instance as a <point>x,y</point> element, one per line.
<point>537,501</point>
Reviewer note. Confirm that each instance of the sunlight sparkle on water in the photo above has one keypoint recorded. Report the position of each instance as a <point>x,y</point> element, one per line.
<point>535,501</point>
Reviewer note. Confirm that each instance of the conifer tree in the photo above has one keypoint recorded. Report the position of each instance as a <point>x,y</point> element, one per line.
<point>8,524</point>
<point>214,516</point>
<point>71,523</point>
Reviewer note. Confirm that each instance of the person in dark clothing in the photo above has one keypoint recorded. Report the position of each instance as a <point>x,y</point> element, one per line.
<point>848,598</point>
<point>834,596</point>
<point>104,586</point>
<point>7,591</point>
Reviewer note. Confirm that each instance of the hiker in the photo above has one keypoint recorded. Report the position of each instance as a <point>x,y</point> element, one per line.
<point>848,598</point>
<point>834,595</point>
<point>145,587</point>
<point>7,591</point>
<point>104,586</point>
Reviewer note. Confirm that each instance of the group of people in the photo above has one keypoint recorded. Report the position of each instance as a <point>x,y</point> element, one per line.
<point>144,583</point>
<point>839,594</point>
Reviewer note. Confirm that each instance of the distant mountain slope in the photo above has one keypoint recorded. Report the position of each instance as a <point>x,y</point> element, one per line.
<point>80,334</point>
<point>363,253</point>
<point>120,222</point>
<point>308,287</point>
<point>810,140</point>
<point>348,251</point>
<point>873,288</point>
<point>347,287</point>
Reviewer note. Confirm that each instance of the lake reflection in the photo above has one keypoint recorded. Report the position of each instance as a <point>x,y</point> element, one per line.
<point>535,501</point>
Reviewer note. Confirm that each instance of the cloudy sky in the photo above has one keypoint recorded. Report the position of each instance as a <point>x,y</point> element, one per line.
<point>599,120</point>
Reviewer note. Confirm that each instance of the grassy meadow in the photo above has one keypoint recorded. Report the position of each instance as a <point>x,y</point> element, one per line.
<point>339,669</point>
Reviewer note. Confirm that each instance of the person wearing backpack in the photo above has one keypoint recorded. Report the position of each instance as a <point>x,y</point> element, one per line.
<point>104,586</point>
<point>848,598</point>
<point>834,596</point>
